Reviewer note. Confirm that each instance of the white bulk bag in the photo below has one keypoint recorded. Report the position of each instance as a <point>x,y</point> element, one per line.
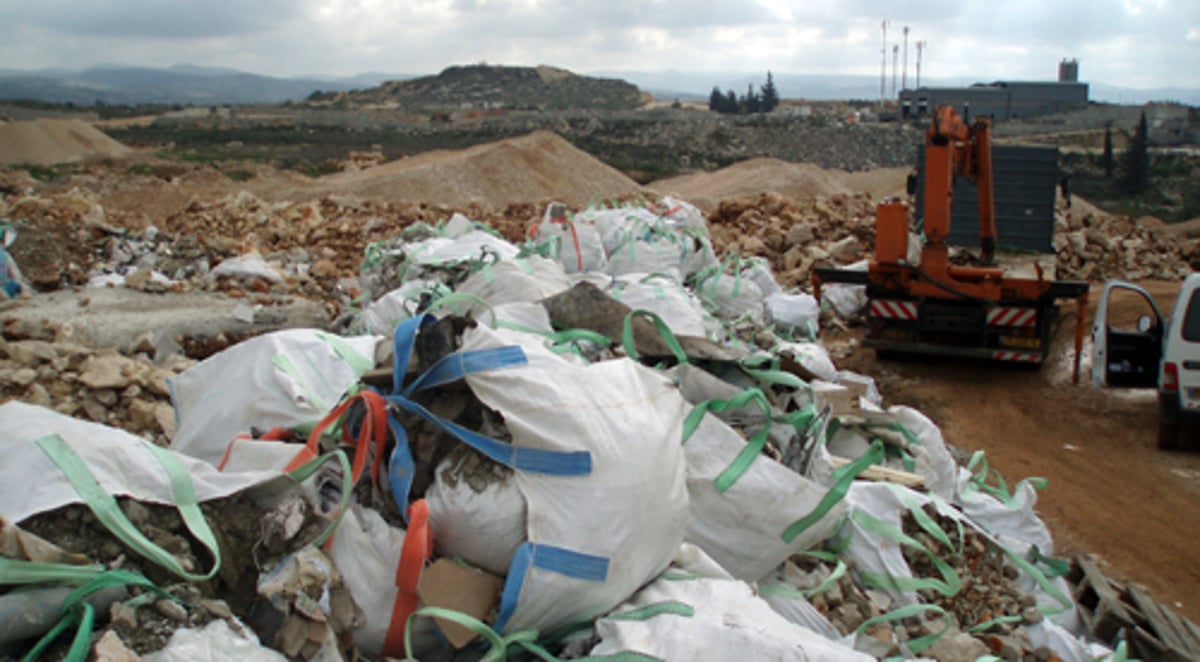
<point>812,356</point>
<point>847,299</point>
<point>579,245</point>
<point>664,297</point>
<point>282,379</point>
<point>732,297</point>
<point>592,539</point>
<point>523,280</point>
<point>746,528</point>
<point>616,225</point>
<point>710,619</point>
<point>484,528</point>
<point>657,254</point>
<point>366,551</point>
<point>382,315</point>
<point>759,271</point>
<point>794,311</point>
<point>123,464</point>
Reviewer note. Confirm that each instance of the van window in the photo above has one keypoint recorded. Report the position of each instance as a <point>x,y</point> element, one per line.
<point>1191,319</point>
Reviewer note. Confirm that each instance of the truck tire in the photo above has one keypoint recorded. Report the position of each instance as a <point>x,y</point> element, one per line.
<point>1168,434</point>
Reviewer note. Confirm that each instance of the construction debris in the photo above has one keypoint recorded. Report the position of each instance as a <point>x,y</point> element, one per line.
<point>608,430</point>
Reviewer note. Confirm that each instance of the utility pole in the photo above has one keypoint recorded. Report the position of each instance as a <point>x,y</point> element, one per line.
<point>883,64</point>
<point>895,59</point>
<point>920,47</point>
<point>904,69</point>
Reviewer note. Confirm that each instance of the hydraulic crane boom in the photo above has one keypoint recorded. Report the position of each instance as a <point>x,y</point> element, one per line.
<point>952,148</point>
<point>935,307</point>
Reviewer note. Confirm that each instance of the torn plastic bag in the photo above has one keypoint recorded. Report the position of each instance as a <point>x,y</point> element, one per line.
<point>283,379</point>
<point>215,641</point>
<point>585,549</point>
<point>875,539</point>
<point>811,356</point>
<point>790,601</point>
<point>913,442</point>
<point>679,617</point>
<point>847,300</point>
<point>747,511</point>
<point>796,314</point>
<point>247,267</point>
<point>382,315</point>
<point>580,247</point>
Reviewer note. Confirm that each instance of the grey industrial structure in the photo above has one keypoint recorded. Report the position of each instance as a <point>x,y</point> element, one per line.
<point>1002,100</point>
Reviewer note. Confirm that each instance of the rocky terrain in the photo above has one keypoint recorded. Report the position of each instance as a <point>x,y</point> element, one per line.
<point>487,87</point>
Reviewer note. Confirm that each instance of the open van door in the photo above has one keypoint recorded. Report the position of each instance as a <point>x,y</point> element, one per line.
<point>1126,352</point>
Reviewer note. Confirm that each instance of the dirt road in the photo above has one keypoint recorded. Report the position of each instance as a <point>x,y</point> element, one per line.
<point>1111,491</point>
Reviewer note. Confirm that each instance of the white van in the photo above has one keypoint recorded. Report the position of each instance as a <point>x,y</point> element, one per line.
<point>1162,353</point>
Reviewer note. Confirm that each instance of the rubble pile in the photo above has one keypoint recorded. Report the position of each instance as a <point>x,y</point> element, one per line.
<point>99,385</point>
<point>595,437</point>
<point>1098,247</point>
<point>795,235</point>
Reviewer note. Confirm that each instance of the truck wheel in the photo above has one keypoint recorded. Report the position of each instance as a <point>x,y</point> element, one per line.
<point>1168,435</point>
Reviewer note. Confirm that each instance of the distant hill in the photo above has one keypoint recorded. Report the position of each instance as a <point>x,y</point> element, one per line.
<point>182,84</point>
<point>485,87</point>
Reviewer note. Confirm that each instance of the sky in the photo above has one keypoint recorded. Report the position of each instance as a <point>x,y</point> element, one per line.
<point>1129,43</point>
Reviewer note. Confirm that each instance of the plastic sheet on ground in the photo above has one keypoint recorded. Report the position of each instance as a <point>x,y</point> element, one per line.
<point>248,267</point>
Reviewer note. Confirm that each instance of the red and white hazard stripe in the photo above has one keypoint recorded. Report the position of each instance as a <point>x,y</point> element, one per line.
<point>1022,357</point>
<point>1007,316</point>
<point>902,310</point>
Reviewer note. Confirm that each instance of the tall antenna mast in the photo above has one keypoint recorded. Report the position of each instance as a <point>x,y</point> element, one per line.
<point>904,69</point>
<point>920,47</point>
<point>895,59</point>
<point>883,64</point>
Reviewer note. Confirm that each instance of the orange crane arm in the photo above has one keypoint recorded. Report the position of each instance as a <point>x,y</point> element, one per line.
<point>953,148</point>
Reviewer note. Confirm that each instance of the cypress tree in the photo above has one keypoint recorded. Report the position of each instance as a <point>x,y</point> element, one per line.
<point>1137,161</point>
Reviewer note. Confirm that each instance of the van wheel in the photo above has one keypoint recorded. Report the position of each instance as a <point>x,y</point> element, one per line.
<point>1168,435</point>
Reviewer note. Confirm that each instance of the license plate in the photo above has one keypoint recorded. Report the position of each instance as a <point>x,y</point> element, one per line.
<point>1016,341</point>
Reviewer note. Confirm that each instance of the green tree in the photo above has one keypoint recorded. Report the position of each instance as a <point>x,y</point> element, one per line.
<point>1137,161</point>
<point>749,103</point>
<point>1106,160</point>
<point>770,95</point>
<point>716,100</point>
<point>731,102</point>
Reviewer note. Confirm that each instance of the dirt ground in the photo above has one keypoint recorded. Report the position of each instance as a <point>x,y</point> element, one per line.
<point>1111,491</point>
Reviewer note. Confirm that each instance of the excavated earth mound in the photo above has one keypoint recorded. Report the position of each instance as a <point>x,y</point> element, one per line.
<point>49,141</point>
<point>537,166</point>
<point>801,181</point>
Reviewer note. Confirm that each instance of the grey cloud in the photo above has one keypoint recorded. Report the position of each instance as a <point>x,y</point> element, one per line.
<point>158,20</point>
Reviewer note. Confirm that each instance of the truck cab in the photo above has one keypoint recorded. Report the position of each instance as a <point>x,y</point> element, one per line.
<point>1158,352</point>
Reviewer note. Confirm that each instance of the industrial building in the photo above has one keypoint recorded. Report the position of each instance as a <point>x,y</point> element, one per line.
<point>1003,100</point>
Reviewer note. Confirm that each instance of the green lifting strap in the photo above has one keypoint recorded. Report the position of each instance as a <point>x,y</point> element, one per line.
<point>106,509</point>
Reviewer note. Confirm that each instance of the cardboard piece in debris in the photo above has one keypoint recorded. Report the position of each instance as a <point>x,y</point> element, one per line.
<point>454,585</point>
